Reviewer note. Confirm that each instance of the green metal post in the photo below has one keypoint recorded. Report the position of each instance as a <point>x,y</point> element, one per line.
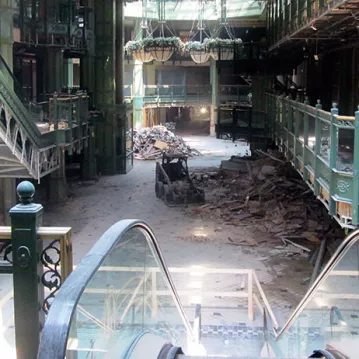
<point>56,113</point>
<point>306,135</point>
<point>26,217</point>
<point>286,16</point>
<point>89,165</point>
<point>318,107</point>
<point>139,94</point>
<point>355,204</point>
<point>280,30</point>
<point>285,115</point>
<point>274,117</point>
<point>333,158</point>
<point>309,9</point>
<point>70,122</point>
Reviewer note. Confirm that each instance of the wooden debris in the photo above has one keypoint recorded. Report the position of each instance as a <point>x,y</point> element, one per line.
<point>265,194</point>
<point>151,142</point>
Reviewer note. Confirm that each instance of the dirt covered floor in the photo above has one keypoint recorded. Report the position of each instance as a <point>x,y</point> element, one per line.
<point>197,236</point>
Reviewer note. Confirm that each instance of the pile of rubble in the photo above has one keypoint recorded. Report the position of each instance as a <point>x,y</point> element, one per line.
<point>267,195</point>
<point>151,142</point>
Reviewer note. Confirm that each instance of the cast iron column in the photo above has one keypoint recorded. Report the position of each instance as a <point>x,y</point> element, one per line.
<point>119,51</point>
<point>214,99</point>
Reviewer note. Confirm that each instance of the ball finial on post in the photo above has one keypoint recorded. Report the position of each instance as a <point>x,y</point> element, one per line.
<point>25,191</point>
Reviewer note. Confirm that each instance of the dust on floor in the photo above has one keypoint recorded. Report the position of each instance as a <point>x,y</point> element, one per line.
<point>186,241</point>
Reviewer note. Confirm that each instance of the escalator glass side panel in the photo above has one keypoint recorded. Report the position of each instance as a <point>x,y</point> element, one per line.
<point>328,317</point>
<point>127,294</point>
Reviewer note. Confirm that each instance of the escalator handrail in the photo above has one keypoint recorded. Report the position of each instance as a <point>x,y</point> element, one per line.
<point>344,247</point>
<point>57,325</point>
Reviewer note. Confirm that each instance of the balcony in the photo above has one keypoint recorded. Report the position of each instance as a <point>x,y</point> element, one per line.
<point>189,95</point>
<point>324,149</point>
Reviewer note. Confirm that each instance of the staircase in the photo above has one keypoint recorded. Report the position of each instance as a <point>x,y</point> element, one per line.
<point>29,146</point>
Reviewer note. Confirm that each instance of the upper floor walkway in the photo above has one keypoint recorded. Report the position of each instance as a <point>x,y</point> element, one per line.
<point>187,95</point>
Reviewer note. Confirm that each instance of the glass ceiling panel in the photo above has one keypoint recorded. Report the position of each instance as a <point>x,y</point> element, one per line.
<point>184,10</point>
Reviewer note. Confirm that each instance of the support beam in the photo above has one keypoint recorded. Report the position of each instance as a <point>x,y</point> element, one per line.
<point>57,190</point>
<point>119,51</point>
<point>138,88</point>
<point>215,98</point>
<point>54,70</point>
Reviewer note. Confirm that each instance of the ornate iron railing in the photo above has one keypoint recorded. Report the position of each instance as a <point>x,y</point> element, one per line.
<point>324,149</point>
<point>56,258</point>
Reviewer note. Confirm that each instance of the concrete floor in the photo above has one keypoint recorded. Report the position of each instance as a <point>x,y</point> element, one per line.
<point>93,208</point>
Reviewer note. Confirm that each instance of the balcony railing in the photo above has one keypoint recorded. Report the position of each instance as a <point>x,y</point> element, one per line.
<point>153,94</point>
<point>324,148</point>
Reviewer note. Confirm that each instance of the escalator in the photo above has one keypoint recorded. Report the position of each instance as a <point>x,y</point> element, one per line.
<point>120,302</point>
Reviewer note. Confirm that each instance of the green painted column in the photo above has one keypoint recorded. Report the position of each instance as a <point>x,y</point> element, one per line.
<point>54,70</point>
<point>6,29</point>
<point>333,158</point>
<point>137,86</point>
<point>306,135</point>
<point>57,186</point>
<point>355,204</point>
<point>215,97</point>
<point>318,107</point>
<point>89,164</point>
<point>7,185</point>
<point>105,83</point>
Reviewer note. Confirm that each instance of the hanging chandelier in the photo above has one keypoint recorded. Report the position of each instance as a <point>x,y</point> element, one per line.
<point>224,49</point>
<point>196,49</point>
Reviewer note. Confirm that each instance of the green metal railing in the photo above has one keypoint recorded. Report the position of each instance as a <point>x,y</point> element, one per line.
<point>190,93</point>
<point>324,148</point>
<point>177,93</point>
<point>69,112</point>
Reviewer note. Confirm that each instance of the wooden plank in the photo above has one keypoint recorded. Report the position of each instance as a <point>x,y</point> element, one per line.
<point>160,144</point>
<point>45,233</point>
<point>344,209</point>
<point>258,304</point>
<point>345,118</point>
<point>250,297</point>
<point>214,294</point>
<point>265,300</point>
<point>189,270</point>
<point>344,273</point>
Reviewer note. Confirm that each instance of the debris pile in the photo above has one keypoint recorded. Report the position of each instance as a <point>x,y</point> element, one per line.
<point>151,142</point>
<point>266,195</point>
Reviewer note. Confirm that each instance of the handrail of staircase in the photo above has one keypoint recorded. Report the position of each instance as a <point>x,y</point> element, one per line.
<point>57,326</point>
<point>16,82</point>
<point>344,247</point>
<point>21,112</point>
